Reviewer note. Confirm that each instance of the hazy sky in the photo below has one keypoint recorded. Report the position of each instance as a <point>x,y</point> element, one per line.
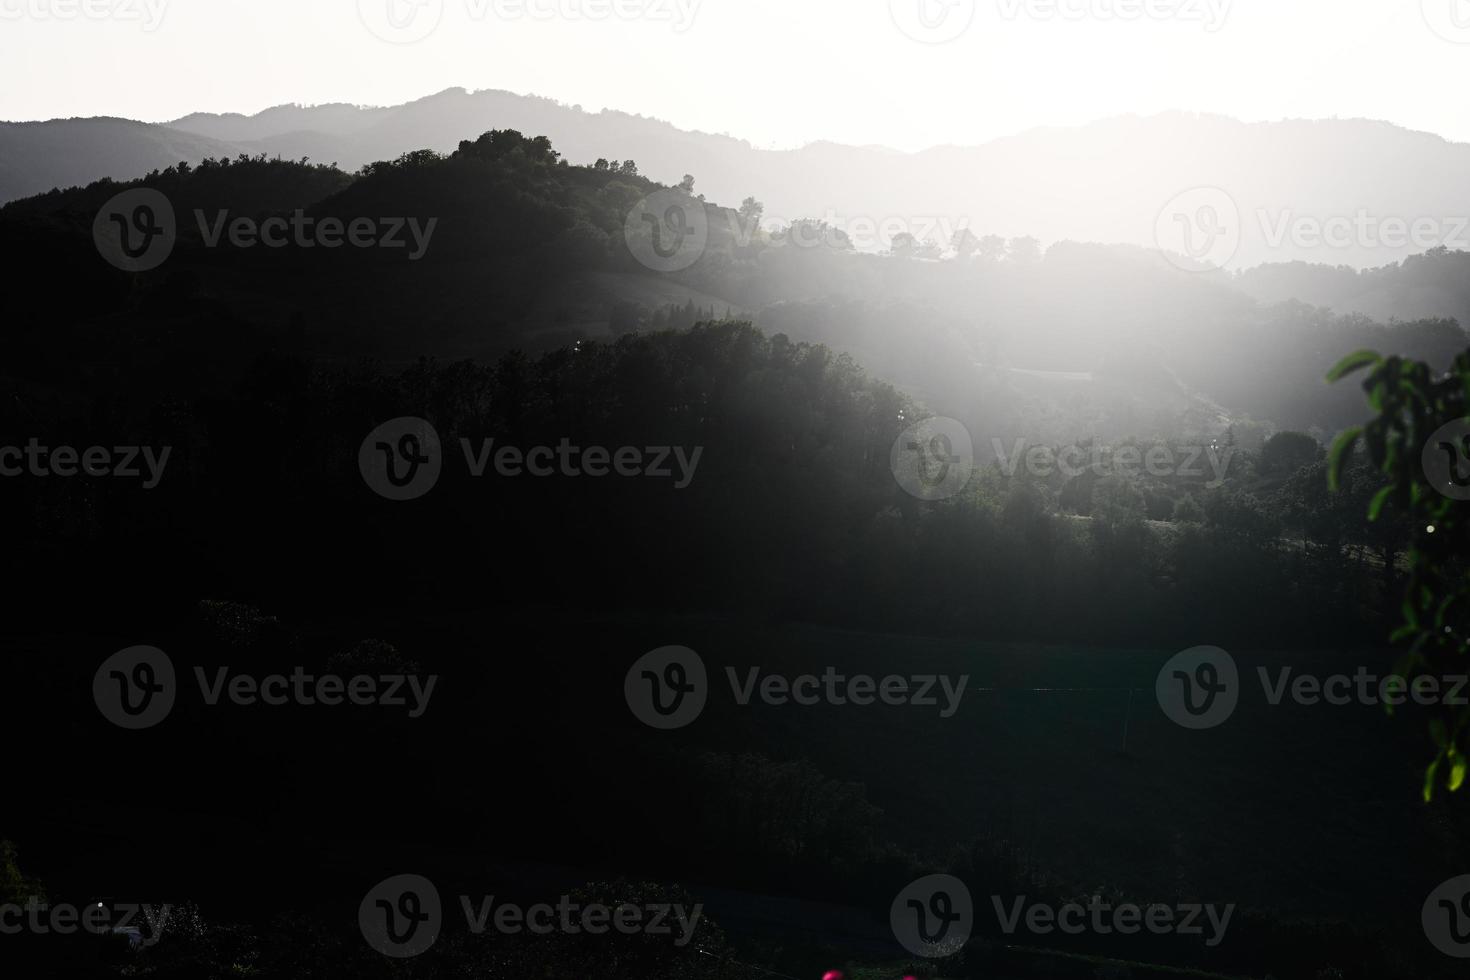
<point>776,72</point>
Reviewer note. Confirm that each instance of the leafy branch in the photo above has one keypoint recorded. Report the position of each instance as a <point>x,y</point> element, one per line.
<point>1413,406</point>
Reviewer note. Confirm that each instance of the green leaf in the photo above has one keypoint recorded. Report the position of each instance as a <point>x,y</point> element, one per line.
<point>1457,773</point>
<point>1337,456</point>
<point>1429,778</point>
<point>1375,506</point>
<point>1353,362</point>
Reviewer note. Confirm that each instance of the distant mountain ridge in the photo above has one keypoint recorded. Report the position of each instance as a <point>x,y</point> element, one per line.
<point>37,156</point>
<point>1107,181</point>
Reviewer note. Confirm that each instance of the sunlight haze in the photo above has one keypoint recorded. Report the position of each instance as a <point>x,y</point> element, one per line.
<point>735,489</point>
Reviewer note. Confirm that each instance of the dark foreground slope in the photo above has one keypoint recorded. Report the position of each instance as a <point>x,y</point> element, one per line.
<point>757,521</point>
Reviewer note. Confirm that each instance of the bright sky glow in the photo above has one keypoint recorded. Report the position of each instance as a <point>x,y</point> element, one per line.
<point>776,72</point>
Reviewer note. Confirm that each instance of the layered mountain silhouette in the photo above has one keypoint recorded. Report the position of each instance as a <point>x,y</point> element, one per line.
<point>513,249</point>
<point>1336,192</point>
